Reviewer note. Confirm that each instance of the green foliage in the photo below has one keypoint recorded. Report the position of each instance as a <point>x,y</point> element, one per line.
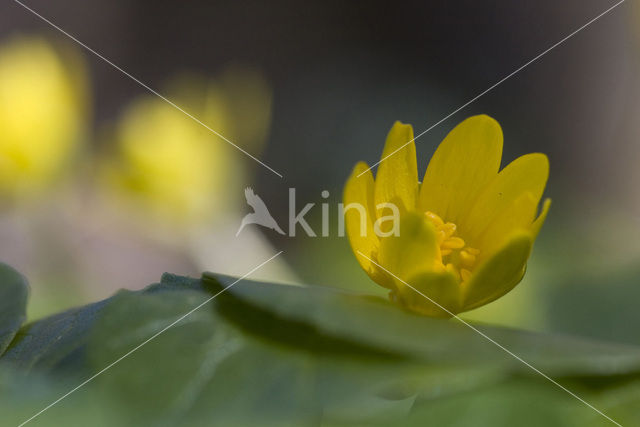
<point>267,354</point>
<point>612,299</point>
<point>13,304</point>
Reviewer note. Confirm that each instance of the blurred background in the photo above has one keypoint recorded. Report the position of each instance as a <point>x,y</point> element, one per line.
<point>105,186</point>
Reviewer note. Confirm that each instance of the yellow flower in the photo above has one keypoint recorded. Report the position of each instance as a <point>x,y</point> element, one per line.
<point>42,113</point>
<point>166,164</point>
<point>465,233</point>
<point>169,167</point>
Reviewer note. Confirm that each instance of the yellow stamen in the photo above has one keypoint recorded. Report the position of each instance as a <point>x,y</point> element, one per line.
<point>449,228</point>
<point>453,243</point>
<point>455,256</point>
<point>473,251</point>
<point>467,258</point>
<point>435,219</point>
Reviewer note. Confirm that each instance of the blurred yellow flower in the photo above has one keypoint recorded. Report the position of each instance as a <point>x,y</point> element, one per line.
<point>42,113</point>
<point>171,167</point>
<point>465,232</point>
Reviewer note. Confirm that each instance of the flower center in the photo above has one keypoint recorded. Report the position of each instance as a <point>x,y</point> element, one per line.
<point>455,255</point>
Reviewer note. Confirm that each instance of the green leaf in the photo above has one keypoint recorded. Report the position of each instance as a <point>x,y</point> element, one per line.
<point>207,368</point>
<point>528,403</point>
<point>282,355</point>
<point>14,292</point>
<point>23,397</point>
<point>376,323</point>
<point>261,353</point>
<point>622,402</point>
<point>58,342</point>
<point>198,367</point>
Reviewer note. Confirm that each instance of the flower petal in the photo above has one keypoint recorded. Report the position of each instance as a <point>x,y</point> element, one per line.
<point>500,273</point>
<point>413,251</point>
<point>518,216</point>
<point>359,191</point>
<point>397,177</point>
<point>429,287</point>
<point>537,224</point>
<point>464,163</point>
<point>527,173</point>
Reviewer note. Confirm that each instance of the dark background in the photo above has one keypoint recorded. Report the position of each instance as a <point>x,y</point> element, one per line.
<point>342,72</point>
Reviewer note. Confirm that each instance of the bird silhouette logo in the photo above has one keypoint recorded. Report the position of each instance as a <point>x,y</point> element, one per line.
<point>260,214</point>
